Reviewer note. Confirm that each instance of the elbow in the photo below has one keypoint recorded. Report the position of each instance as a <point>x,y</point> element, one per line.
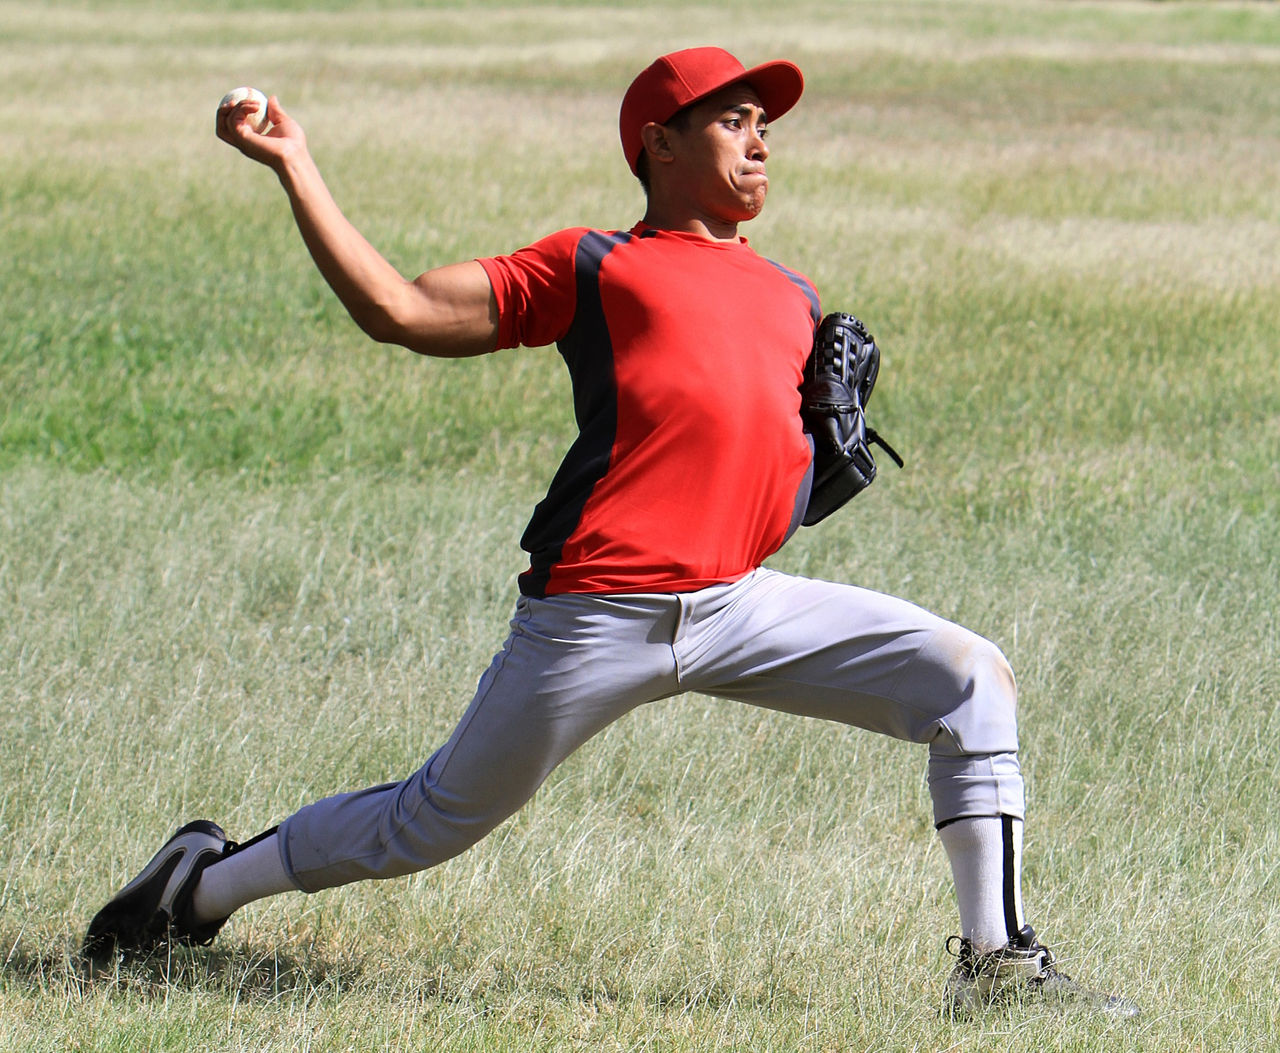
<point>380,326</point>
<point>386,321</point>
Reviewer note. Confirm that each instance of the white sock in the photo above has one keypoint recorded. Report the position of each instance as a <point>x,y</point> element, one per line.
<point>248,874</point>
<point>986,863</point>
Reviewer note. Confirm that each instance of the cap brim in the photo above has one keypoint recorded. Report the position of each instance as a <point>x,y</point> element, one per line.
<point>779,85</point>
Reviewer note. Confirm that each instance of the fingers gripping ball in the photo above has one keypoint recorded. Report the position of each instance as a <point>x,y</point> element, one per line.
<point>258,115</point>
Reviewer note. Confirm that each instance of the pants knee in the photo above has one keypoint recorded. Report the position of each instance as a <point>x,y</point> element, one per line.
<point>983,714</point>
<point>993,676</point>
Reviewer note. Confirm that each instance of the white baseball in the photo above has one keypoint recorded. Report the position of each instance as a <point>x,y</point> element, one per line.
<point>257,116</point>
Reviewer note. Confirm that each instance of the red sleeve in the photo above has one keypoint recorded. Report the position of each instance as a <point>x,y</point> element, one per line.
<point>536,290</point>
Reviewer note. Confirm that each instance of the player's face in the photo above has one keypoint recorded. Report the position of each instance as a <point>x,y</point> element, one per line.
<point>720,154</point>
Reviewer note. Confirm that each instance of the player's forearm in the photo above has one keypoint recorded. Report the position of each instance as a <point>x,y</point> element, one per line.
<point>449,312</point>
<point>373,292</point>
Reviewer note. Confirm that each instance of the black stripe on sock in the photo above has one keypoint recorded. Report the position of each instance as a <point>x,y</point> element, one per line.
<point>1011,920</point>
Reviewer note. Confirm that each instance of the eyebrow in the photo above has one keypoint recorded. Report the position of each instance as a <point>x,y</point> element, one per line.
<point>743,109</point>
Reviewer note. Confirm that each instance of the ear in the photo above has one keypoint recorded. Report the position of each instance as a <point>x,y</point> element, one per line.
<point>656,142</point>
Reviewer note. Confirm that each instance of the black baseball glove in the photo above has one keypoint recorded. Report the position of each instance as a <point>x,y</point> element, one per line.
<point>838,379</point>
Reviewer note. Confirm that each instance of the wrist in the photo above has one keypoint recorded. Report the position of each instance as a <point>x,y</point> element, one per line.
<point>293,165</point>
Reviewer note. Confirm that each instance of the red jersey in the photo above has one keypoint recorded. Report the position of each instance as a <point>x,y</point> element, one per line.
<point>686,355</point>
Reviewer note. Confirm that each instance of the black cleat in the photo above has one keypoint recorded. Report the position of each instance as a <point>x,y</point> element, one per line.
<point>1022,970</point>
<point>154,909</point>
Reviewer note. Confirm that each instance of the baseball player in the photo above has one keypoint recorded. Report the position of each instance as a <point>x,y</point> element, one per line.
<point>692,465</point>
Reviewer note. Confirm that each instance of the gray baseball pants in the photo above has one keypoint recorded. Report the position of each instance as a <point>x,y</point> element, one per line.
<point>574,664</point>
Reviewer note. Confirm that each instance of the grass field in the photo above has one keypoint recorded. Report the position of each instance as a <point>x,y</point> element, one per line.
<point>248,558</point>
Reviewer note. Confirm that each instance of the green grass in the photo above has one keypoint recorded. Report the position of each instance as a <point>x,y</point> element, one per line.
<point>250,559</point>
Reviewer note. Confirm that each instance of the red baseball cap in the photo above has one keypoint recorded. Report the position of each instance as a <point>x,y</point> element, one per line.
<point>674,81</point>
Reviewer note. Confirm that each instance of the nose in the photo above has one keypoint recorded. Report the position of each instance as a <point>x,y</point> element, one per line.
<point>758,149</point>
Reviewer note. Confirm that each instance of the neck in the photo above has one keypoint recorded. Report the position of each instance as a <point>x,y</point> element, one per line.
<point>660,218</point>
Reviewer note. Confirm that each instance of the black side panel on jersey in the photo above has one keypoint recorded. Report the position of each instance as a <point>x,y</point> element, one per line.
<point>588,352</point>
<point>815,312</point>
